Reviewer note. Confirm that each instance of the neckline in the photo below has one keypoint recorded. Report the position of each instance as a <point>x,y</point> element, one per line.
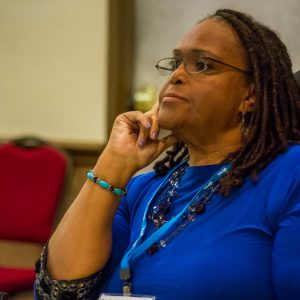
<point>198,175</point>
<point>205,169</point>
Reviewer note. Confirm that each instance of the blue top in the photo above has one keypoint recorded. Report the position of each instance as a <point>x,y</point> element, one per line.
<point>245,246</point>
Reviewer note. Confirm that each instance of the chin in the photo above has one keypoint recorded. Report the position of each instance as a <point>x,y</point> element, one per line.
<point>172,117</point>
<point>169,122</point>
<point>165,125</point>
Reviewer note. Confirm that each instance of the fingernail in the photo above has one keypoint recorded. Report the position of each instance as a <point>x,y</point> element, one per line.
<point>141,142</point>
<point>154,134</point>
<point>149,124</point>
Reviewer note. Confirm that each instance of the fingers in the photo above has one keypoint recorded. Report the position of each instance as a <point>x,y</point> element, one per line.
<point>141,123</point>
<point>138,118</point>
<point>145,123</point>
<point>144,134</point>
<point>154,132</point>
<point>132,131</point>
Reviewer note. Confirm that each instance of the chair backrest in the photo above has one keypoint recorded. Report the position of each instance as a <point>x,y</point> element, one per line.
<point>32,177</point>
<point>3,296</point>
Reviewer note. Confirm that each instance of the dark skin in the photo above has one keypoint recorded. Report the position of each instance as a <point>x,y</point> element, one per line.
<point>206,116</point>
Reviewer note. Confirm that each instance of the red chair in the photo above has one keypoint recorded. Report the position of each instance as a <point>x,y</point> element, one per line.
<point>32,182</point>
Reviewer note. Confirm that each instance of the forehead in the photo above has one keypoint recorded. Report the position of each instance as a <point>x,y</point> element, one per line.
<point>214,38</point>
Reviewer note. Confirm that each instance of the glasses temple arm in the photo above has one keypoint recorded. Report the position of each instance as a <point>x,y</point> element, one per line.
<point>222,63</point>
<point>162,68</point>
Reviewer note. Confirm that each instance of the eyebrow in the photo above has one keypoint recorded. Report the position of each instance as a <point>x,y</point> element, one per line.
<point>178,52</point>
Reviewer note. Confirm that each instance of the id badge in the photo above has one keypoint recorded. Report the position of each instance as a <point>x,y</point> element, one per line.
<point>121,297</point>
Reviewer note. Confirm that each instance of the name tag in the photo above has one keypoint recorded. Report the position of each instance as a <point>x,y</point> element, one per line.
<point>121,297</point>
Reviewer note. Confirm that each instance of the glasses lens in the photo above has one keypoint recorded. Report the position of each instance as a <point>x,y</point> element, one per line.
<point>195,63</point>
<point>166,66</point>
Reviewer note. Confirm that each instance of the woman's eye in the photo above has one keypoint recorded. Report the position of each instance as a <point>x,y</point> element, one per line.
<point>176,63</point>
<point>200,66</point>
<point>173,64</point>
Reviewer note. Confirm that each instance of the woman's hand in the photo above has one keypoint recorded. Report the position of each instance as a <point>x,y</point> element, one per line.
<point>134,139</point>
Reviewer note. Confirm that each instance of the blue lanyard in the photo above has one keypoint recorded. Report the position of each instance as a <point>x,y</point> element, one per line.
<point>139,248</point>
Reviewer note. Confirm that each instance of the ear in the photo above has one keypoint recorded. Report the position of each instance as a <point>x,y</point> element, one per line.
<point>247,105</point>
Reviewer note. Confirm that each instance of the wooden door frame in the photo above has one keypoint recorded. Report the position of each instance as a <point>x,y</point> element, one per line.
<point>120,58</point>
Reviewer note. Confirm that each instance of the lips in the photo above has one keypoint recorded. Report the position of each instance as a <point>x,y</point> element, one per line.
<point>171,97</point>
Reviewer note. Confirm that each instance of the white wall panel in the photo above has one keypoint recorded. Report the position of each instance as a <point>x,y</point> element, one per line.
<point>53,74</point>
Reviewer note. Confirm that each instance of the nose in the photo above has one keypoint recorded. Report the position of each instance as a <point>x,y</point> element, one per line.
<point>179,75</point>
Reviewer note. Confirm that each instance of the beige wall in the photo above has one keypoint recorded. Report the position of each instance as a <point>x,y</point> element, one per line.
<point>53,75</point>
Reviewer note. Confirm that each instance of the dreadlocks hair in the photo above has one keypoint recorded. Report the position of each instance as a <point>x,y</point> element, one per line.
<point>275,119</point>
<point>173,157</point>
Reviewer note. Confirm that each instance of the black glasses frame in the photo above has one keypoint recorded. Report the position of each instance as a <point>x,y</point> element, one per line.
<point>178,62</point>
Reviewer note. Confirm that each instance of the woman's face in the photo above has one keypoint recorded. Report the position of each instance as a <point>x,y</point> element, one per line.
<point>209,101</point>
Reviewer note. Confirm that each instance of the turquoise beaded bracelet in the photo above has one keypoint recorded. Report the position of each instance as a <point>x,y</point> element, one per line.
<point>105,185</point>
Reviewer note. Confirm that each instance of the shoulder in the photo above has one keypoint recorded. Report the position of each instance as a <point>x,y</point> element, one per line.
<point>281,183</point>
<point>284,170</point>
<point>291,155</point>
<point>287,162</point>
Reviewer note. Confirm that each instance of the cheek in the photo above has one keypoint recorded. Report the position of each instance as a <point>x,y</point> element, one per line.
<point>206,100</point>
<point>236,86</point>
<point>233,94</point>
<point>230,92</point>
<point>216,100</point>
<point>204,111</point>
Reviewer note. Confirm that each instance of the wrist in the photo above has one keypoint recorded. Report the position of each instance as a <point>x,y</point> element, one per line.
<point>113,169</point>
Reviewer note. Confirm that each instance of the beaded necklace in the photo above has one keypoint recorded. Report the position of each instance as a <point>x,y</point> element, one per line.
<point>158,214</point>
<point>159,211</point>
<point>187,214</point>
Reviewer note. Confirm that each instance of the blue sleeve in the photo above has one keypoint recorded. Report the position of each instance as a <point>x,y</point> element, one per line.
<point>121,234</point>
<point>121,225</point>
<point>286,248</point>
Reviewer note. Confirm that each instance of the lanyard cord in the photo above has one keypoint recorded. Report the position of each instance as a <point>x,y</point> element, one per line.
<point>138,248</point>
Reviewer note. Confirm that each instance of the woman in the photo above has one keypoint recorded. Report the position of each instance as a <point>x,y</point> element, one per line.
<point>220,218</point>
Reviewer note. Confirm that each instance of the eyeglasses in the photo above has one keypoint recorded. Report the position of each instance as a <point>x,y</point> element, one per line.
<point>195,63</point>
